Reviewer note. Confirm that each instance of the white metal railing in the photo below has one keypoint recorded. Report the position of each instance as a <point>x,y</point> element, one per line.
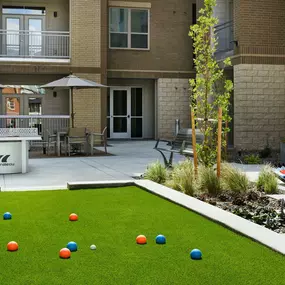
<point>225,36</point>
<point>35,44</point>
<point>46,124</point>
<point>18,132</point>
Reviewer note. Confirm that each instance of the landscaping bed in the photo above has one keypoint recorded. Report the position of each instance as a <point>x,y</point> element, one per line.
<point>253,205</point>
<point>232,192</point>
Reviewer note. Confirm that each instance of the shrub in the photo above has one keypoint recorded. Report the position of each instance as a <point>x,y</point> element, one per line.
<point>266,152</point>
<point>208,180</point>
<point>234,179</point>
<point>182,178</point>
<point>156,172</point>
<point>267,181</point>
<point>252,159</point>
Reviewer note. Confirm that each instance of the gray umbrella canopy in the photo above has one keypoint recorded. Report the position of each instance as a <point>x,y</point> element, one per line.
<point>72,82</point>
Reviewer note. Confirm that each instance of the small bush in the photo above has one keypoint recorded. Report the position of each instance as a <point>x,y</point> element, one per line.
<point>182,178</point>
<point>266,152</point>
<point>156,172</point>
<point>233,179</point>
<point>267,181</point>
<point>252,159</point>
<point>208,180</point>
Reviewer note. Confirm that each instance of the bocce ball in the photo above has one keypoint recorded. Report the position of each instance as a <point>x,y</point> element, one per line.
<point>64,253</point>
<point>160,239</point>
<point>141,239</point>
<point>93,246</point>
<point>73,217</point>
<point>7,216</point>
<point>72,246</point>
<point>12,246</point>
<point>196,254</point>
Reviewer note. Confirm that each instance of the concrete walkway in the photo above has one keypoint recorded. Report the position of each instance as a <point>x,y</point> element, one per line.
<point>252,172</point>
<point>129,158</point>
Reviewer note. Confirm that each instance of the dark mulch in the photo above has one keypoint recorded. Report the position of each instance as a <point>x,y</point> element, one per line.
<point>253,205</point>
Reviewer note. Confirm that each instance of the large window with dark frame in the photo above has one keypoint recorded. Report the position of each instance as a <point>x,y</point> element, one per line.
<point>128,28</point>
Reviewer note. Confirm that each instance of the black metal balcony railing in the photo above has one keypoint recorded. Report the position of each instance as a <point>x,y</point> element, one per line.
<point>225,37</point>
<point>30,44</point>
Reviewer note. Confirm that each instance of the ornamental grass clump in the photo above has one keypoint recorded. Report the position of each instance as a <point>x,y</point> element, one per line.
<point>233,179</point>
<point>182,178</point>
<point>208,181</point>
<point>156,172</point>
<point>267,181</point>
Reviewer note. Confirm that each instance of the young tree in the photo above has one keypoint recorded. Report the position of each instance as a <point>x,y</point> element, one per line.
<point>206,97</point>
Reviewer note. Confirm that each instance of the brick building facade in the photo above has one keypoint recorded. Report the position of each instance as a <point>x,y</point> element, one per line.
<point>259,74</point>
<point>127,45</point>
<point>142,51</point>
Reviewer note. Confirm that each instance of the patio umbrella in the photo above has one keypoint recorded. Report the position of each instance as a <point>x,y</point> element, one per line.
<point>72,82</point>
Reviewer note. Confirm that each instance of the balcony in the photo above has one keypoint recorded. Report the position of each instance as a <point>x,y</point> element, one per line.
<point>225,40</point>
<point>37,33</point>
<point>41,46</point>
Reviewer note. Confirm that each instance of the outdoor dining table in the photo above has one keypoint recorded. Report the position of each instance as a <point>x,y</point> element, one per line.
<point>64,134</point>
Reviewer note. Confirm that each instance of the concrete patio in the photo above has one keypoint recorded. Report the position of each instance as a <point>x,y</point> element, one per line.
<point>128,159</point>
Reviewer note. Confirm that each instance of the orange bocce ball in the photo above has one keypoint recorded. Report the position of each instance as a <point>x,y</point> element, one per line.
<point>12,246</point>
<point>73,217</point>
<point>141,239</point>
<point>64,253</point>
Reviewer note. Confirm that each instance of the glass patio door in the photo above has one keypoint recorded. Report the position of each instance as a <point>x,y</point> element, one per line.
<point>13,41</point>
<point>125,112</point>
<point>23,35</point>
<point>34,40</point>
<point>120,123</point>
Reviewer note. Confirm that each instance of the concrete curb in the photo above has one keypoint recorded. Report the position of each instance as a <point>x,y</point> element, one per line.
<point>35,188</point>
<point>99,184</point>
<point>242,226</point>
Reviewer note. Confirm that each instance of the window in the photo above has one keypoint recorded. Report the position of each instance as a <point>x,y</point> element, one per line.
<point>20,10</point>
<point>128,28</point>
<point>11,104</point>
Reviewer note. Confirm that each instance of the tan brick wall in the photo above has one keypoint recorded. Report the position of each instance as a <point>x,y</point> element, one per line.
<point>85,33</point>
<point>170,46</point>
<point>260,26</point>
<point>259,101</point>
<point>87,105</point>
<point>172,103</point>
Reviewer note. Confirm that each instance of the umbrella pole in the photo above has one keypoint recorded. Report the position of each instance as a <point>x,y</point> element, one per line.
<point>72,110</point>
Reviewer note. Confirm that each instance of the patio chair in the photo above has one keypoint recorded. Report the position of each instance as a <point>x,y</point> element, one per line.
<point>99,137</point>
<point>51,141</point>
<point>75,139</point>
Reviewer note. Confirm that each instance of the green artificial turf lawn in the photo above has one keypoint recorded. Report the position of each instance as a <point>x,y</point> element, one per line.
<point>111,219</point>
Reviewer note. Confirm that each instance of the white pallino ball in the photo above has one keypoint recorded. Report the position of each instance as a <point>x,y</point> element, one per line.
<point>93,246</point>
